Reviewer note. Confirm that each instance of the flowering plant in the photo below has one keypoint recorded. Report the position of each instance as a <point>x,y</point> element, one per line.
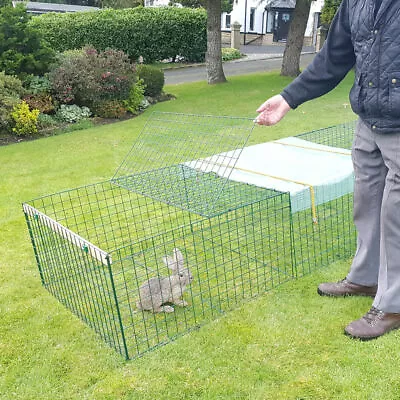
<point>89,77</point>
<point>25,120</point>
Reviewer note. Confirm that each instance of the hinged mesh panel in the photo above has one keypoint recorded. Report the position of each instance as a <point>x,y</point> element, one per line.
<point>185,160</point>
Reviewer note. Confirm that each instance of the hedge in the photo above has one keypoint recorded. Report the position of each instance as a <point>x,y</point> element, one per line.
<point>155,33</point>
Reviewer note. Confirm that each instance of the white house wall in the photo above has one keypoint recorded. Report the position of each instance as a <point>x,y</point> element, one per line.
<point>240,15</point>
<point>316,7</point>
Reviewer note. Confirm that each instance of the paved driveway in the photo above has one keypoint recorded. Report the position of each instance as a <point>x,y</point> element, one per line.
<point>258,59</point>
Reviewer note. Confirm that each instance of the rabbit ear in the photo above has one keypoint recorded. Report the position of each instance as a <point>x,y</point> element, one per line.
<point>170,262</point>
<point>178,258</point>
<point>176,262</point>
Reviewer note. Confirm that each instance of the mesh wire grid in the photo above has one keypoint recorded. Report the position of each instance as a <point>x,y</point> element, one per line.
<point>175,159</point>
<point>96,245</point>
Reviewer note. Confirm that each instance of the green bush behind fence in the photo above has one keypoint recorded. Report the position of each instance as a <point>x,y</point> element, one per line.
<point>153,33</point>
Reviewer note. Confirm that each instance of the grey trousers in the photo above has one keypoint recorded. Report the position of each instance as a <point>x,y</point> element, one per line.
<point>376,160</point>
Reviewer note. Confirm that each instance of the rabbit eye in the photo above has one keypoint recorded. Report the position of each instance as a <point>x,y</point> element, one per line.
<point>181,275</point>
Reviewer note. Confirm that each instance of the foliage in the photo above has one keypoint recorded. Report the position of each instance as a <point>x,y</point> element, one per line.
<point>11,91</point>
<point>22,49</point>
<point>88,77</point>
<point>153,79</point>
<point>116,4</point>
<point>46,121</point>
<point>72,113</point>
<point>37,84</point>
<point>136,97</point>
<point>329,10</point>
<point>191,3</point>
<point>5,3</point>
<point>26,121</point>
<point>155,33</point>
<point>41,101</point>
<point>229,53</point>
<point>111,109</point>
<point>226,5</point>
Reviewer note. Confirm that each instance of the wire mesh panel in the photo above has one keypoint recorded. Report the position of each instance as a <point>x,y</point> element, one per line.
<point>175,159</point>
<point>177,237</point>
<point>333,237</point>
<point>78,274</point>
<point>340,136</point>
<point>226,255</point>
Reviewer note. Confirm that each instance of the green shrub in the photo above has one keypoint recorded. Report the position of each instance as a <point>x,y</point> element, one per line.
<point>111,109</point>
<point>46,121</point>
<point>329,10</point>
<point>155,33</point>
<point>37,84</point>
<point>226,5</point>
<point>229,54</point>
<point>88,77</point>
<point>116,4</point>
<point>22,49</point>
<point>136,97</point>
<point>72,113</point>
<point>11,91</point>
<point>153,79</point>
<point>26,121</point>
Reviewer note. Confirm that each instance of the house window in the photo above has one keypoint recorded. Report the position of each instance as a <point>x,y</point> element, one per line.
<point>227,21</point>
<point>252,16</point>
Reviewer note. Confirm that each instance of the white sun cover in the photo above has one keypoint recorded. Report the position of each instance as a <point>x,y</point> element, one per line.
<point>313,174</point>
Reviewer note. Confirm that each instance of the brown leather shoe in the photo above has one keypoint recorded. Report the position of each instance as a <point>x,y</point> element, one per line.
<point>373,324</point>
<point>345,288</point>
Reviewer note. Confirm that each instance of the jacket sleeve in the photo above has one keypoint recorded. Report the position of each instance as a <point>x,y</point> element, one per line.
<point>329,66</point>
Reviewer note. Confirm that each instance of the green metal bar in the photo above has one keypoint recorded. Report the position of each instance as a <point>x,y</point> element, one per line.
<point>117,307</point>
<point>292,242</point>
<point>28,222</point>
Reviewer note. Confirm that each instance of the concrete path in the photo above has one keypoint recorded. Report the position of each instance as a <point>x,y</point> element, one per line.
<point>257,59</point>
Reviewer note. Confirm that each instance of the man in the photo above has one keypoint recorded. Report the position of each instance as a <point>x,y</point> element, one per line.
<point>364,34</point>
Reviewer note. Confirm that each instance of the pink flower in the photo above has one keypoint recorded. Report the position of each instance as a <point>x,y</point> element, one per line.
<point>106,74</point>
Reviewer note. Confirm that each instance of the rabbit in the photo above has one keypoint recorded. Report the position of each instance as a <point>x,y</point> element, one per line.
<point>156,292</point>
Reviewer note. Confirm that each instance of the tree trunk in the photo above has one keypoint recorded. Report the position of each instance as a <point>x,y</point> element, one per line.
<point>215,73</point>
<point>294,44</point>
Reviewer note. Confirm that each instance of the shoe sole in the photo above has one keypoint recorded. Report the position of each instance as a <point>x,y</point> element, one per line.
<point>367,338</point>
<point>321,293</point>
<point>363,339</point>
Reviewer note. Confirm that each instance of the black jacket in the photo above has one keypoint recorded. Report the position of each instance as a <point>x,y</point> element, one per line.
<point>371,44</point>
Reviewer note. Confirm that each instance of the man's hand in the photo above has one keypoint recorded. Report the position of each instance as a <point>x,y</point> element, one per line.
<point>272,111</point>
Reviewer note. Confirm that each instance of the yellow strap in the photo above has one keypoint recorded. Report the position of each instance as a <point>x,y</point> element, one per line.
<point>312,192</point>
<point>312,148</point>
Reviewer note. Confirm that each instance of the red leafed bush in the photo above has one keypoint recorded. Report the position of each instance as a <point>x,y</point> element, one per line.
<point>88,78</point>
<point>40,101</point>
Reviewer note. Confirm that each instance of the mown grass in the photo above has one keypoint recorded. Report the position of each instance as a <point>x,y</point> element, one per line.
<point>286,344</point>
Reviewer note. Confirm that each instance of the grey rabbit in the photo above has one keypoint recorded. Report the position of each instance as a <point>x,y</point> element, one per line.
<point>156,292</point>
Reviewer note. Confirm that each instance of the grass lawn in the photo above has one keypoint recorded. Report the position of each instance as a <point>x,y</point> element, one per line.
<point>286,344</point>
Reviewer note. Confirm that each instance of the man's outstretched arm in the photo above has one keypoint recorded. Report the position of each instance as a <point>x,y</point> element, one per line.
<point>328,68</point>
